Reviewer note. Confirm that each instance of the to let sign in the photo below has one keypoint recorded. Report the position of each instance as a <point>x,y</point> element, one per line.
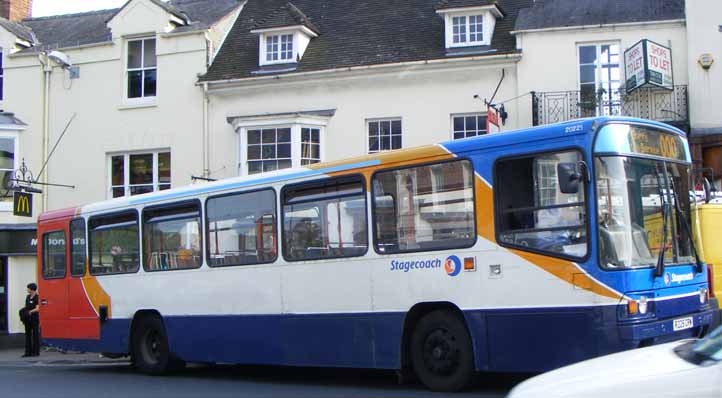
<point>22,204</point>
<point>648,63</point>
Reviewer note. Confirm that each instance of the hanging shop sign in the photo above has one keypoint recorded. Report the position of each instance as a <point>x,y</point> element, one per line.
<point>648,64</point>
<point>22,204</point>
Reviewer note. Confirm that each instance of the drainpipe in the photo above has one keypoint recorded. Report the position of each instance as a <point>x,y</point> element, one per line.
<point>47,70</point>
<point>206,140</point>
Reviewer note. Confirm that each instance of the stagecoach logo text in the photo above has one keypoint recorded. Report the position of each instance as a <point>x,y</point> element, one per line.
<point>677,278</point>
<point>452,265</point>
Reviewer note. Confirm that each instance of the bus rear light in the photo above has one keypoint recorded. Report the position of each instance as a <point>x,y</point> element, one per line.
<point>703,292</point>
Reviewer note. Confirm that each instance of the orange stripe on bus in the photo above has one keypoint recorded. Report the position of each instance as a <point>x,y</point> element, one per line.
<point>96,295</point>
<point>562,269</point>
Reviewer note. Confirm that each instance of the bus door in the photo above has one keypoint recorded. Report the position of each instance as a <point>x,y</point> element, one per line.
<point>54,274</point>
<point>82,317</point>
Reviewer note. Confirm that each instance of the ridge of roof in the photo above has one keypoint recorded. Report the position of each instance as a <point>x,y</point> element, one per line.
<point>286,15</point>
<point>72,15</point>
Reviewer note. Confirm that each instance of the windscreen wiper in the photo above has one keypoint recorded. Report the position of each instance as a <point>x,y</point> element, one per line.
<point>659,268</point>
<point>687,227</point>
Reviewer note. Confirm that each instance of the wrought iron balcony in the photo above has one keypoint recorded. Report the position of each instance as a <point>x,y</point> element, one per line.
<point>669,106</point>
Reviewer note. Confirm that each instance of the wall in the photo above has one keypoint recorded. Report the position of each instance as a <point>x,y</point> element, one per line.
<point>21,271</point>
<point>704,36</point>
<point>423,96</point>
<point>104,121</point>
<point>550,58</point>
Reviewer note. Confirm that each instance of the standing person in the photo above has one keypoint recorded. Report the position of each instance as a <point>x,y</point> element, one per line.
<point>32,327</point>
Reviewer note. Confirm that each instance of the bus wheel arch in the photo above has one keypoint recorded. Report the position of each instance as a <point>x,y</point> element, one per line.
<point>148,344</point>
<point>419,321</point>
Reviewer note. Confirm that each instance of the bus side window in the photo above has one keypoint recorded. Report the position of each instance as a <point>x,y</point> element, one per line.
<point>429,207</point>
<point>114,244</point>
<point>54,255</point>
<point>325,219</point>
<point>77,247</point>
<point>172,236</point>
<point>533,213</point>
<point>241,228</point>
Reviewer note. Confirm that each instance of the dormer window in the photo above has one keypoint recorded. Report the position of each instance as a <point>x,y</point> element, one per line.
<point>284,36</point>
<point>279,48</point>
<point>467,24</point>
<point>473,24</point>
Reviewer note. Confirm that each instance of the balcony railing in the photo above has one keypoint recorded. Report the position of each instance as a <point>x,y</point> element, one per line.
<point>669,106</point>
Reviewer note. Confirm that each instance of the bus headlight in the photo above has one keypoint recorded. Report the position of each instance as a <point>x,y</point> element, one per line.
<point>639,308</point>
<point>642,304</point>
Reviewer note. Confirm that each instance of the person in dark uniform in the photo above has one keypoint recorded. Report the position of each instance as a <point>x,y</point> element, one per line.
<point>32,327</point>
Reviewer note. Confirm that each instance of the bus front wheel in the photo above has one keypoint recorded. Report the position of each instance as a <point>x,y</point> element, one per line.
<point>151,353</point>
<point>441,352</point>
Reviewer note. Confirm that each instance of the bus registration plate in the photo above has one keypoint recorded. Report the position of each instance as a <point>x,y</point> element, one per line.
<point>683,323</point>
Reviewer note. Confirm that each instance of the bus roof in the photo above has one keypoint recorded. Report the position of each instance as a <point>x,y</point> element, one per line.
<point>418,154</point>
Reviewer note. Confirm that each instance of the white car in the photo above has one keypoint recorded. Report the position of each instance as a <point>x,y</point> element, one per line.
<point>689,368</point>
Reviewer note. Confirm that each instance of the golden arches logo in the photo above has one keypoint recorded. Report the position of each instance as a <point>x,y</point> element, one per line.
<point>23,204</point>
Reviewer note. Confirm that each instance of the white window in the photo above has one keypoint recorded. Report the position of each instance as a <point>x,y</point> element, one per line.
<point>142,70</point>
<point>468,29</point>
<point>268,149</point>
<point>310,145</point>
<point>279,48</point>
<point>384,134</point>
<point>599,79</point>
<point>139,173</point>
<point>8,165</point>
<point>468,125</point>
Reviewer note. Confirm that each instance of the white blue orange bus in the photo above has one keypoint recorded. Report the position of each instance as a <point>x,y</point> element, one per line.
<point>516,252</point>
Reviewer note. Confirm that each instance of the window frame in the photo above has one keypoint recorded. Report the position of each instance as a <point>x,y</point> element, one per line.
<point>90,241</point>
<point>45,253</point>
<point>367,134</point>
<point>142,69</point>
<point>70,246</point>
<point>126,172</point>
<point>171,206</point>
<point>260,144</point>
<point>498,209</point>
<point>469,114</point>
<point>598,68</point>
<point>425,164</point>
<point>206,229</point>
<point>487,26</point>
<point>7,204</point>
<point>354,177</point>
<point>263,54</point>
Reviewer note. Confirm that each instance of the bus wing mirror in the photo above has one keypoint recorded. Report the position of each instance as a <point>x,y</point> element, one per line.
<point>570,176</point>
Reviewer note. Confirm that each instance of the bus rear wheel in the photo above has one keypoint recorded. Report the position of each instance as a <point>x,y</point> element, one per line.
<point>151,353</point>
<point>441,352</point>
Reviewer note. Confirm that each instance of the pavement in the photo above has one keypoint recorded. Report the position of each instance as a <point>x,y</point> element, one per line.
<point>52,356</point>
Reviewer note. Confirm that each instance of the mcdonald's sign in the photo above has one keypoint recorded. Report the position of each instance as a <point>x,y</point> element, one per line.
<point>22,204</point>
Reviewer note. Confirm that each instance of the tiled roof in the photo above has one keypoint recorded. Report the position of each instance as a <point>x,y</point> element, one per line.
<point>72,30</point>
<point>21,31</point>
<point>69,30</point>
<point>568,13</point>
<point>286,15</point>
<point>356,33</point>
